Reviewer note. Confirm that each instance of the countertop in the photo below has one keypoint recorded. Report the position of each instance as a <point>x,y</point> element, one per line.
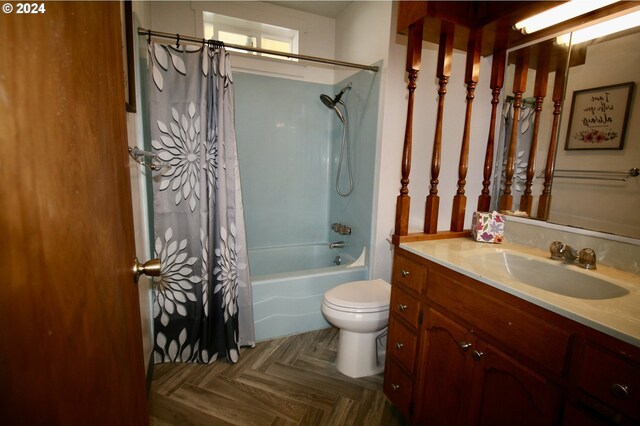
<point>618,317</point>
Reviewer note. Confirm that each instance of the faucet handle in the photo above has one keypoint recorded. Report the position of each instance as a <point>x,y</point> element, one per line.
<point>557,248</point>
<point>587,258</point>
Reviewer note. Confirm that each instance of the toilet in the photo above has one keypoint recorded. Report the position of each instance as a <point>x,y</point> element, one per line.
<point>360,309</point>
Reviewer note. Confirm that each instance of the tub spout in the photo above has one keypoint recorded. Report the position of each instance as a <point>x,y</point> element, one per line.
<point>337,244</point>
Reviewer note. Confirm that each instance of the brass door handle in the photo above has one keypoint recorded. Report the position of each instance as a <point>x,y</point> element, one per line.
<point>150,268</point>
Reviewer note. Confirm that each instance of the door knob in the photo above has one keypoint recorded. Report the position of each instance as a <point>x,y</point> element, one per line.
<point>150,268</point>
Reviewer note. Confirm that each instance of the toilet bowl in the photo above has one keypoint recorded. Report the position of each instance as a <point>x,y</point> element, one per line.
<point>360,309</point>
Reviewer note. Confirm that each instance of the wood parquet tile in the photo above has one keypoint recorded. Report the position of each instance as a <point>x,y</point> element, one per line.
<point>288,381</point>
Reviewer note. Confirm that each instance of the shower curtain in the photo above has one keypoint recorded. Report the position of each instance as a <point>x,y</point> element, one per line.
<point>523,144</point>
<point>203,306</point>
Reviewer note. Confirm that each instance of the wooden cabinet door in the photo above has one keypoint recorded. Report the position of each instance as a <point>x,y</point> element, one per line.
<point>70,338</point>
<point>447,366</point>
<point>504,392</point>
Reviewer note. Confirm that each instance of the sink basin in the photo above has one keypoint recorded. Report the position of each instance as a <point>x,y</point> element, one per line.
<point>552,276</point>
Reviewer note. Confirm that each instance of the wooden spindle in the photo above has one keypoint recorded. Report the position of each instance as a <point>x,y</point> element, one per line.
<point>497,80</point>
<point>519,87</point>
<point>539,92</point>
<point>471,74</point>
<point>443,72</point>
<point>544,201</point>
<point>414,50</point>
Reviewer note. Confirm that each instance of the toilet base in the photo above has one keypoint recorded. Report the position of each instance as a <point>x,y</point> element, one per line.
<point>357,354</point>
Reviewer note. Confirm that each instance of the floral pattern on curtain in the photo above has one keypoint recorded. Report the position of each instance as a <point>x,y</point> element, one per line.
<point>203,306</point>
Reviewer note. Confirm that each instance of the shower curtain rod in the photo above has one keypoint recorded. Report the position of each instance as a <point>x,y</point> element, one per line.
<point>180,38</point>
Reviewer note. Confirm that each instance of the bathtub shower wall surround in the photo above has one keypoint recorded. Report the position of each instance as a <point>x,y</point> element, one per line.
<point>356,209</point>
<point>283,133</point>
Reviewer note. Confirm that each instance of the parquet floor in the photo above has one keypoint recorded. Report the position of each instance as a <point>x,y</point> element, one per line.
<point>286,381</point>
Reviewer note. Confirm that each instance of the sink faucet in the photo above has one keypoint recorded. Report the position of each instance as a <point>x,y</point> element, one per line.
<point>586,258</point>
<point>337,244</point>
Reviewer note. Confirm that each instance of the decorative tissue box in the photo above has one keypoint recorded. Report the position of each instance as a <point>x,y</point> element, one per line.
<point>487,227</point>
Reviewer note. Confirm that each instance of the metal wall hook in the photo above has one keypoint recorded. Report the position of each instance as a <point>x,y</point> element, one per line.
<point>138,154</point>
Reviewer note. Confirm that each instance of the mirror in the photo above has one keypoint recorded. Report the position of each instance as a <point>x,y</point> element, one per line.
<point>599,140</point>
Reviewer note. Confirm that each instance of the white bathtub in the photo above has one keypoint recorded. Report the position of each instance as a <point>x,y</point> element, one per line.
<point>289,284</point>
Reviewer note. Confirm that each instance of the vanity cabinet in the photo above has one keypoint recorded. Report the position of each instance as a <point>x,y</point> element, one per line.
<point>461,352</point>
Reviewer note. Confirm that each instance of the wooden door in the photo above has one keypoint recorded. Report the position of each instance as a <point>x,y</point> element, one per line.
<point>69,316</point>
<point>505,392</point>
<point>447,365</point>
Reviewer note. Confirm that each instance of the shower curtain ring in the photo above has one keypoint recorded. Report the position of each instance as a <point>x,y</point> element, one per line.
<point>148,36</point>
<point>177,41</point>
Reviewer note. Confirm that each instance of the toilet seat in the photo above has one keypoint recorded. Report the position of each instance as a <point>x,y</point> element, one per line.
<point>359,296</point>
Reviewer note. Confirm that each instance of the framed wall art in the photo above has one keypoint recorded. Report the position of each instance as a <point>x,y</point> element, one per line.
<point>598,118</point>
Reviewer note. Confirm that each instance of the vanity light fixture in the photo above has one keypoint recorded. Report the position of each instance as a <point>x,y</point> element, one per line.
<point>558,14</point>
<point>602,29</point>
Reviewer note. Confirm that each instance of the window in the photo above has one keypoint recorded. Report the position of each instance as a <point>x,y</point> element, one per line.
<point>249,33</point>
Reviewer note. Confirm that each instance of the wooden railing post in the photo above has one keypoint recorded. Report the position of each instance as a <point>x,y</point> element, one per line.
<point>443,71</point>
<point>544,202</point>
<point>497,80</point>
<point>519,87</point>
<point>471,74</point>
<point>414,50</point>
<point>539,92</point>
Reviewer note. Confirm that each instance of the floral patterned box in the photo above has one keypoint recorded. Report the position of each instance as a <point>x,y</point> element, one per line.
<point>487,227</point>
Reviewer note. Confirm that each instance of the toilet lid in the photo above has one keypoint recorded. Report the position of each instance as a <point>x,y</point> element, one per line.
<point>368,294</point>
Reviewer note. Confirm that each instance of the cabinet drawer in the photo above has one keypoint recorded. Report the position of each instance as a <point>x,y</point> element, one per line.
<point>611,379</point>
<point>405,306</point>
<point>398,387</point>
<point>408,273</point>
<point>505,321</point>
<point>402,343</point>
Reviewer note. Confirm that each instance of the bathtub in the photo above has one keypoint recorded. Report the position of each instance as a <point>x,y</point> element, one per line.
<point>289,284</point>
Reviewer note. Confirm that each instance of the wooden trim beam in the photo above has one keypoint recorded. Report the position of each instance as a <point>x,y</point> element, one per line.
<point>443,72</point>
<point>414,51</point>
<point>498,66</point>
<point>471,75</point>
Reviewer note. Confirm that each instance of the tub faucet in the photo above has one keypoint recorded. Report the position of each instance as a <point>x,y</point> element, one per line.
<point>337,244</point>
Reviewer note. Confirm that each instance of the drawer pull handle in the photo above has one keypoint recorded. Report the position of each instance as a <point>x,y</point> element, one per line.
<point>404,273</point>
<point>402,307</point>
<point>399,346</point>
<point>465,346</point>
<point>395,387</point>
<point>619,391</point>
<point>477,355</point>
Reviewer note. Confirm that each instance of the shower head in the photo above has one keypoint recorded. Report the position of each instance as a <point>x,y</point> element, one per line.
<point>327,101</point>
<point>331,103</point>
